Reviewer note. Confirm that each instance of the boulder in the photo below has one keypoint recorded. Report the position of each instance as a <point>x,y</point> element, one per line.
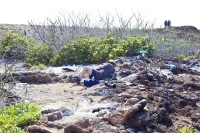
<point>83,126</point>
<point>32,77</point>
<point>121,115</point>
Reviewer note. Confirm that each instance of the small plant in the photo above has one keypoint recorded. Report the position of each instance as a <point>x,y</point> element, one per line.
<point>40,66</point>
<point>18,115</point>
<point>186,58</point>
<point>185,129</point>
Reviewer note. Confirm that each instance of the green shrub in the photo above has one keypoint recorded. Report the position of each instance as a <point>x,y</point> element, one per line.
<point>15,116</point>
<point>25,47</point>
<point>84,50</point>
<point>14,45</point>
<point>134,43</point>
<point>40,66</point>
<point>37,54</point>
<point>93,50</point>
<point>77,51</point>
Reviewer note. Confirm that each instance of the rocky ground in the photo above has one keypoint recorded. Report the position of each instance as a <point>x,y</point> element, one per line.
<point>151,95</point>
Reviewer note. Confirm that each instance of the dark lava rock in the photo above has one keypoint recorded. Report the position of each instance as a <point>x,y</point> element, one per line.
<point>141,118</point>
<point>163,116</point>
<point>195,116</point>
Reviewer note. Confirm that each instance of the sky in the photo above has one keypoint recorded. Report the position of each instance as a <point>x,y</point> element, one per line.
<point>180,12</point>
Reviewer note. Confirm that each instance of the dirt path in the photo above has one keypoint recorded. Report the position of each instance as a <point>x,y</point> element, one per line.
<point>53,96</point>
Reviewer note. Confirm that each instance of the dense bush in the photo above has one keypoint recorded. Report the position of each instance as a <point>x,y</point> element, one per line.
<point>133,44</point>
<point>93,50</point>
<point>20,114</point>
<point>37,54</point>
<point>14,45</point>
<point>26,48</point>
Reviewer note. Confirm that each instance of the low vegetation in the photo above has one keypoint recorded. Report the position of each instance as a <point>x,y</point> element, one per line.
<point>83,50</point>
<point>16,116</point>
<point>94,50</point>
<point>186,129</point>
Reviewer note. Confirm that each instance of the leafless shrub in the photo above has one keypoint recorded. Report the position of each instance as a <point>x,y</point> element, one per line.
<point>73,25</point>
<point>5,88</point>
<point>172,46</point>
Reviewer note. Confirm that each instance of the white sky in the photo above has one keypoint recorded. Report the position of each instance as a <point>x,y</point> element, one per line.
<point>180,12</point>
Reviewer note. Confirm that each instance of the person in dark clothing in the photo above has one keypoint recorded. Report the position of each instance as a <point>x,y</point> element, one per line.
<point>104,70</point>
